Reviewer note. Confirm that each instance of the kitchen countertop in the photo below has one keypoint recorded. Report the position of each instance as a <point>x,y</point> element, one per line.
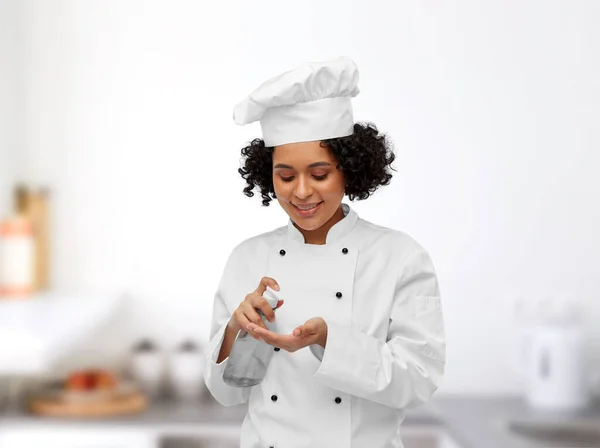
<point>471,421</point>
<point>483,422</point>
<point>173,414</point>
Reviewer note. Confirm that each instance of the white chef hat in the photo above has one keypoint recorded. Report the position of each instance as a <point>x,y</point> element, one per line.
<point>311,102</point>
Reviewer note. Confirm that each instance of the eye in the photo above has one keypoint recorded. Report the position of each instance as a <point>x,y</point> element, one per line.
<point>323,177</point>
<point>287,179</point>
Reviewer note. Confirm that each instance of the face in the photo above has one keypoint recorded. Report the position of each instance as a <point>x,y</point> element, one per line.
<point>307,183</point>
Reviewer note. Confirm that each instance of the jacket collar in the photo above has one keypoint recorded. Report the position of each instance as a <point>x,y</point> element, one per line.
<point>336,233</point>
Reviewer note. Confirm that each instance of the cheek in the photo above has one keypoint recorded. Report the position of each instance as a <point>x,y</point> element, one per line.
<point>333,187</point>
<point>281,188</point>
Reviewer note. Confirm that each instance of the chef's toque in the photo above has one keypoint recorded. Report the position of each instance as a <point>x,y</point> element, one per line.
<point>311,102</point>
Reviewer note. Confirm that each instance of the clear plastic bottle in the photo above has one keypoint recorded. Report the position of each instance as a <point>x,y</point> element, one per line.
<point>249,357</point>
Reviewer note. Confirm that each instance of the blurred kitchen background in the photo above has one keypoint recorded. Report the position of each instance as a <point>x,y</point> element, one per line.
<point>120,202</point>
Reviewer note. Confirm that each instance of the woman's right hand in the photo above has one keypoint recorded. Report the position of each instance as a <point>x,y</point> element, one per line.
<point>246,312</point>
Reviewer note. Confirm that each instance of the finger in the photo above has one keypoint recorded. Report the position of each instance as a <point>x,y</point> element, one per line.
<point>266,309</point>
<point>279,304</point>
<point>268,336</point>
<point>264,282</point>
<point>250,328</point>
<point>252,333</point>
<point>240,318</point>
<point>307,329</point>
<point>243,322</point>
<point>286,342</point>
<point>252,316</point>
<point>265,335</point>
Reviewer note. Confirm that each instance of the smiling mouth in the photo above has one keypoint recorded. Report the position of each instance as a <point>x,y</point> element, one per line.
<point>306,207</point>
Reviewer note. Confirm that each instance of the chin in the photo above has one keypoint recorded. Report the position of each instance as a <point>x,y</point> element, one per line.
<point>306,224</point>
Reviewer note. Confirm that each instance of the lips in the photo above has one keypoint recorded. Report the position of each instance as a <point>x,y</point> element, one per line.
<point>306,206</point>
<point>307,210</point>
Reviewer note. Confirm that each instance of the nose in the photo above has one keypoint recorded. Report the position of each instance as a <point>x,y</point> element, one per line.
<point>303,188</point>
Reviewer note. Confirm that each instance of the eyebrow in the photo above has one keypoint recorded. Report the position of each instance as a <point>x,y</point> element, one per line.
<point>312,165</point>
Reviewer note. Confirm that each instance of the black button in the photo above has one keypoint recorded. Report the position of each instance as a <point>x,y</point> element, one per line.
<point>338,295</point>
<point>344,250</point>
<point>338,400</point>
<point>273,397</point>
<point>276,349</point>
<point>282,252</point>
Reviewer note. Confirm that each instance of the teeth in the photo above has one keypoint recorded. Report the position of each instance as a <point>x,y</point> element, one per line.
<point>306,207</point>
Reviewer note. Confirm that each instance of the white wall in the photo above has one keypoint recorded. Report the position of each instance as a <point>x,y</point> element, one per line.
<point>9,70</point>
<point>492,107</point>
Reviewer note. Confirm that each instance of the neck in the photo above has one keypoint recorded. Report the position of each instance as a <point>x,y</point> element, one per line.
<point>319,236</point>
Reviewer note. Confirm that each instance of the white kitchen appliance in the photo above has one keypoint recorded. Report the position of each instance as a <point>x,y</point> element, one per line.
<point>554,357</point>
<point>556,369</point>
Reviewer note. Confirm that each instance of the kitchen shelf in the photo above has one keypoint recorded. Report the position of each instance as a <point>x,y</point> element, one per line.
<point>38,331</point>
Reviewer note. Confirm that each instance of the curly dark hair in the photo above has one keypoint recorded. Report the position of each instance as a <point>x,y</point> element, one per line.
<point>365,157</point>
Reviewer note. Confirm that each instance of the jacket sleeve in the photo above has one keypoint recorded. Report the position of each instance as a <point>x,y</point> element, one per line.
<point>213,375</point>
<point>407,368</point>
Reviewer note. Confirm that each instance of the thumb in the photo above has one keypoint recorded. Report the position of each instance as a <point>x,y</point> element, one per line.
<point>279,304</point>
<point>310,327</point>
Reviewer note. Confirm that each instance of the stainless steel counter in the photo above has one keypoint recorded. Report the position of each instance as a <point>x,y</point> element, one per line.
<point>173,413</point>
<point>471,422</point>
<point>486,422</point>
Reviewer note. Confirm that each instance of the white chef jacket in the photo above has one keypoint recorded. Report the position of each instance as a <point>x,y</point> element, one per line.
<point>377,290</point>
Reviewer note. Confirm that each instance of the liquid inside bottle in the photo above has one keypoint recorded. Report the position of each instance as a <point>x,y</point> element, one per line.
<point>249,358</point>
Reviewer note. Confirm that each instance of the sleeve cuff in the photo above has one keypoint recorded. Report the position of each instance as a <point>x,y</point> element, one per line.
<point>317,351</point>
<point>215,347</point>
<point>213,374</point>
<point>348,358</point>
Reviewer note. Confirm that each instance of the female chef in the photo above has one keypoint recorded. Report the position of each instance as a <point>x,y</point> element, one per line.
<point>360,334</point>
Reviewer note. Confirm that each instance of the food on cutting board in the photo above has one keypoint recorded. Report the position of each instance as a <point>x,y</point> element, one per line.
<point>91,380</point>
<point>88,392</point>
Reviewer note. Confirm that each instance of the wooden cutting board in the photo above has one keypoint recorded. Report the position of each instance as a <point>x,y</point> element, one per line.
<point>130,403</point>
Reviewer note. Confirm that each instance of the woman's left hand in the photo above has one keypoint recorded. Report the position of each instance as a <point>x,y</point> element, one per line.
<point>314,331</point>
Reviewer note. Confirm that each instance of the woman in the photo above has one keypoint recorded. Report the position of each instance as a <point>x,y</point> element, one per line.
<point>360,333</point>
